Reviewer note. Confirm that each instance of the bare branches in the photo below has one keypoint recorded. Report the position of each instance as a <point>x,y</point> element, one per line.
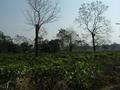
<point>42,11</point>
<point>91,19</point>
<point>91,16</point>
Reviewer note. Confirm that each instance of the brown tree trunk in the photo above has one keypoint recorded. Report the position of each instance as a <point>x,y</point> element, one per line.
<point>36,39</point>
<point>70,46</point>
<point>93,42</point>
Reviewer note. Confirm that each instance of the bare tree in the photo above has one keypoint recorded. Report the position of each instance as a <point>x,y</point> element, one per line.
<point>41,12</point>
<point>91,18</point>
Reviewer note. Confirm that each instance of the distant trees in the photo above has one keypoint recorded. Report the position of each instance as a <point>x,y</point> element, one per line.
<point>68,38</point>
<point>25,44</point>
<point>91,18</point>
<point>41,12</point>
<point>67,41</point>
<point>6,43</point>
<point>54,45</point>
<point>51,46</point>
<point>26,47</point>
<point>62,34</point>
<point>13,45</point>
<point>19,39</point>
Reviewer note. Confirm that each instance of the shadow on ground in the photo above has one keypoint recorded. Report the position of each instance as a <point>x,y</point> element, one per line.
<point>115,87</point>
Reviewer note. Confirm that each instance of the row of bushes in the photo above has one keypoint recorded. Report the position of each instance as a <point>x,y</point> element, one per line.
<point>52,72</point>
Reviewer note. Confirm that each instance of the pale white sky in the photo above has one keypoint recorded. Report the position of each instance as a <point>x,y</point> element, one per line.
<point>12,18</point>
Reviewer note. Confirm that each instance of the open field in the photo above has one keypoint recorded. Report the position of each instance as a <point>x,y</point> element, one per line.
<point>60,71</point>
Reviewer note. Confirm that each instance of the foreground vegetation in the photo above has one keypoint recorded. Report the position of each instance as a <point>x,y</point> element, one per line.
<point>73,71</point>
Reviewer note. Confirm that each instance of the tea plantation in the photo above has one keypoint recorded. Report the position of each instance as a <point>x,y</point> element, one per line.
<point>60,71</point>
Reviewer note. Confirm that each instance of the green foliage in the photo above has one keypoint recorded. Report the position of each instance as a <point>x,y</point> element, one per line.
<point>74,71</point>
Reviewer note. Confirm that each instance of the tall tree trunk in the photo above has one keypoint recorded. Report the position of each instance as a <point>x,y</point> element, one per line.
<point>70,45</point>
<point>36,39</point>
<point>93,42</point>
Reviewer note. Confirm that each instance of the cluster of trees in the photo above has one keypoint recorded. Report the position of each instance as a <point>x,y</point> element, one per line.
<point>91,19</point>
<point>17,44</point>
<point>66,41</point>
<point>6,41</point>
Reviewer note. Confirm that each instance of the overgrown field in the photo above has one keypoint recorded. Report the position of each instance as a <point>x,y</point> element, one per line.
<point>62,71</point>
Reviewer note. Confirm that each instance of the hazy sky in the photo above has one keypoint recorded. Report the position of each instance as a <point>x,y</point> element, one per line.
<point>13,21</point>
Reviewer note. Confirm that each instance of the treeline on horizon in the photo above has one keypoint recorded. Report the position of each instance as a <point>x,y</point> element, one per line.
<point>91,20</point>
<point>65,41</point>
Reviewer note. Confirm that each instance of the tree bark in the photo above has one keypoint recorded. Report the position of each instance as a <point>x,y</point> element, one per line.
<point>70,46</point>
<point>36,39</point>
<point>93,42</point>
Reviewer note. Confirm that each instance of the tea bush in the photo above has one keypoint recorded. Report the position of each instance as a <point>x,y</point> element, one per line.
<point>74,71</point>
